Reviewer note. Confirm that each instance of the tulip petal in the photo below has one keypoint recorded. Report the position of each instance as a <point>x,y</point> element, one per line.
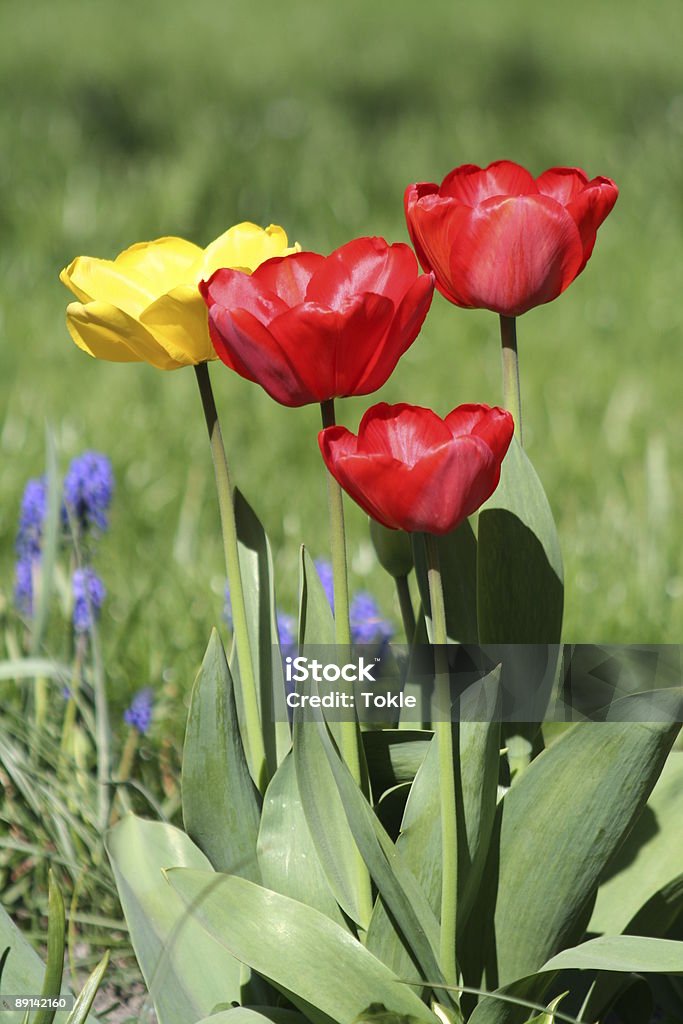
<point>93,280</point>
<point>332,348</point>
<point>435,225</point>
<point>471,185</point>
<point>513,254</point>
<point>493,425</point>
<point>562,183</point>
<point>404,329</point>
<point>589,209</point>
<point>106,332</point>
<point>247,347</point>
<point>405,432</point>
<point>160,265</point>
<point>411,197</point>
<point>288,276</point>
<point>363,265</point>
<point>235,289</point>
<point>179,322</point>
<point>245,246</point>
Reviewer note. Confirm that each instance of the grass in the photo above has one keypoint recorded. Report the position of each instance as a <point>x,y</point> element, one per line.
<point>125,123</point>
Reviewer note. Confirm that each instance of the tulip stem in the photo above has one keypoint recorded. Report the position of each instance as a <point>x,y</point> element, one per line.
<point>511,391</point>
<point>443,734</point>
<point>406,606</point>
<point>253,737</point>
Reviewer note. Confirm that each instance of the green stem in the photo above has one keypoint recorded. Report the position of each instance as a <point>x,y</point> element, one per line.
<point>511,390</point>
<point>102,729</point>
<point>443,731</point>
<point>252,719</point>
<point>406,606</point>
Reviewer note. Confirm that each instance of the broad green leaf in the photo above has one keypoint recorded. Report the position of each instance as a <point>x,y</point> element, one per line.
<point>649,860</point>
<point>395,882</point>
<point>287,855</point>
<point>519,565</point>
<point>254,1015</point>
<point>558,827</point>
<point>187,971</point>
<point>458,561</point>
<point>637,954</point>
<point>394,755</point>
<point>316,622</point>
<point>256,564</point>
<point>476,771</point>
<point>327,972</point>
<point>221,805</point>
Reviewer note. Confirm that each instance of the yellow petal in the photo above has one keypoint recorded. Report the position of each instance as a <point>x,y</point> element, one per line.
<point>93,280</point>
<point>105,332</point>
<point>160,265</point>
<point>179,322</point>
<point>245,246</point>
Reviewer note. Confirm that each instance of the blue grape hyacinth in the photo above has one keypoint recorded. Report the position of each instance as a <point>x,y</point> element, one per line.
<point>88,593</point>
<point>29,541</point>
<point>139,713</point>
<point>88,491</point>
<point>367,624</point>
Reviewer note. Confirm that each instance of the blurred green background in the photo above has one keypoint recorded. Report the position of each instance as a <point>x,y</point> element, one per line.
<point>130,121</point>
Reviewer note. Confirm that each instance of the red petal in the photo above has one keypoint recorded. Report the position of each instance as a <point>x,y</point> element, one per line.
<point>406,432</point>
<point>494,426</point>
<point>233,289</point>
<point>434,223</point>
<point>404,329</point>
<point>589,209</point>
<point>411,197</point>
<point>512,254</point>
<point>331,349</point>
<point>471,185</point>
<point>363,265</point>
<point>288,276</point>
<point>245,345</point>
<point>562,183</point>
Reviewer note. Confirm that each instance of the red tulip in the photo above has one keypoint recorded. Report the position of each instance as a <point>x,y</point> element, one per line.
<point>411,470</point>
<point>309,328</point>
<point>498,239</point>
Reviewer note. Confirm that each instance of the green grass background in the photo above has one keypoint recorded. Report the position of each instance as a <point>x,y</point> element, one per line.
<point>122,122</point>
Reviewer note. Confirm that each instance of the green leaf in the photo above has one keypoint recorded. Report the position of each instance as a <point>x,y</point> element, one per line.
<point>558,827</point>
<point>650,858</point>
<point>458,561</point>
<point>548,1017</point>
<point>287,856</point>
<point>56,933</point>
<point>519,565</point>
<point>396,884</point>
<point>256,564</point>
<point>327,972</point>
<point>221,805</point>
<point>254,1015</point>
<point>476,748</point>
<point>394,756</point>
<point>187,971</point>
<point>635,954</point>
<point>86,997</point>
<point>316,622</point>
<point>51,532</point>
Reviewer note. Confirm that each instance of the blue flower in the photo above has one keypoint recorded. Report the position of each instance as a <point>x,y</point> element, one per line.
<point>286,628</point>
<point>326,576</point>
<point>88,593</point>
<point>29,541</point>
<point>88,490</point>
<point>367,624</point>
<point>139,714</point>
<point>23,585</point>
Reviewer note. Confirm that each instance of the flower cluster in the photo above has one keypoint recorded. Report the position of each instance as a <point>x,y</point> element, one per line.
<point>139,713</point>
<point>88,491</point>
<point>29,542</point>
<point>88,596</point>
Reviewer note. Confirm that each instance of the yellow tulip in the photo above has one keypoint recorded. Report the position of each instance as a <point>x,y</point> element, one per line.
<point>145,306</point>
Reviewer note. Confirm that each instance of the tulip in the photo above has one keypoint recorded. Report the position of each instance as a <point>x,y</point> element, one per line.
<point>499,239</point>
<point>411,470</point>
<point>144,306</point>
<point>311,328</point>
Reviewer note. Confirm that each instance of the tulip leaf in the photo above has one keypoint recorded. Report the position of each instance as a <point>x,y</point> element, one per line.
<point>221,805</point>
<point>316,622</point>
<point>56,935</point>
<point>254,1015</point>
<point>287,856</point>
<point>650,858</point>
<point>396,884</point>
<point>633,954</point>
<point>187,971</point>
<point>86,997</point>
<point>324,970</point>
<point>256,564</point>
<point>458,563</point>
<point>477,757</point>
<point>394,755</point>
<point>569,812</point>
<point>519,566</point>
